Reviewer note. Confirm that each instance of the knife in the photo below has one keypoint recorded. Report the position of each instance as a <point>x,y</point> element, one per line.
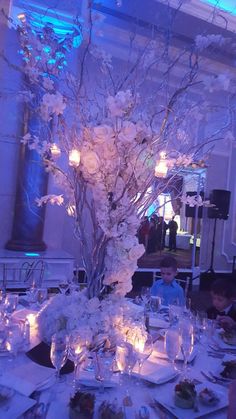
<point>164,409</point>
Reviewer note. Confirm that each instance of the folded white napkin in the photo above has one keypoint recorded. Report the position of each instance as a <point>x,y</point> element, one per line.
<point>159,352</point>
<point>155,373</point>
<point>87,378</point>
<point>16,406</point>
<point>158,323</point>
<point>26,378</point>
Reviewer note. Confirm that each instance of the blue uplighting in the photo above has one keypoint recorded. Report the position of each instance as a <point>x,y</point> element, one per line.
<point>226,5</point>
<point>31,254</point>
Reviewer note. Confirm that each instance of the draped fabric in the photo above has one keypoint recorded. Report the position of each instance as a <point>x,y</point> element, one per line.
<point>172,186</point>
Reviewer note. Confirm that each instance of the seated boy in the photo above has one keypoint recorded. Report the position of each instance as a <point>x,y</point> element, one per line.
<point>223,309</point>
<point>167,288</point>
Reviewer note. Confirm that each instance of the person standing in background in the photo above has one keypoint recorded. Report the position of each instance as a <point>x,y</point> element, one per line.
<point>173,227</point>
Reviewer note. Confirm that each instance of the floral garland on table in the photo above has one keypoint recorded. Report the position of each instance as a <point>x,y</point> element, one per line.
<point>103,323</point>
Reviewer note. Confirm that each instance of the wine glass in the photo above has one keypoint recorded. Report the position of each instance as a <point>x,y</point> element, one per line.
<point>145,296</point>
<point>103,367</point>
<point>143,346</point>
<point>59,352</point>
<point>172,344</point>
<point>10,304</point>
<point>42,294</point>
<point>187,342</point>
<point>77,353</point>
<point>126,358</point>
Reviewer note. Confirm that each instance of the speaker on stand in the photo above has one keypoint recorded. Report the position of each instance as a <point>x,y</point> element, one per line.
<point>220,199</point>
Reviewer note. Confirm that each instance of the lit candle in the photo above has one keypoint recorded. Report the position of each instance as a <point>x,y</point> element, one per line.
<point>71,210</point>
<point>21,17</point>
<point>55,150</point>
<point>74,158</point>
<point>31,319</point>
<point>161,168</point>
<point>78,350</point>
<point>139,344</point>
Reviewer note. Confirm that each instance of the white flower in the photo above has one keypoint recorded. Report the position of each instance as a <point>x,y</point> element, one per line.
<point>120,104</point>
<point>128,132</point>
<point>204,41</point>
<point>136,252</point>
<point>90,161</point>
<point>102,133</point>
<point>52,199</point>
<point>48,84</point>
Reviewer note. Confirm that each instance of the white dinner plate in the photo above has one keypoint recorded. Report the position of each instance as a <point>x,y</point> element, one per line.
<point>220,367</point>
<point>166,399</point>
<point>16,406</point>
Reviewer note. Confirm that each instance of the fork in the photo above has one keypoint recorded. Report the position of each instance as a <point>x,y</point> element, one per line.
<point>213,380</point>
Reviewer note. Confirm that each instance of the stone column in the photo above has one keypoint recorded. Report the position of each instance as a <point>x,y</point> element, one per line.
<point>27,232</point>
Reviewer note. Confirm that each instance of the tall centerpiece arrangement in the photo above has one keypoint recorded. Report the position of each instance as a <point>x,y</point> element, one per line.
<point>108,124</point>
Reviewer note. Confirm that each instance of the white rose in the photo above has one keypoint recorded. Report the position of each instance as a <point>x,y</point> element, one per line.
<point>90,161</point>
<point>136,252</point>
<point>102,133</point>
<point>128,132</point>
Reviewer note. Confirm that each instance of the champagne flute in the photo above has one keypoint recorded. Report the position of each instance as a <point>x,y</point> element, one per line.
<point>187,342</point>
<point>172,344</point>
<point>59,352</point>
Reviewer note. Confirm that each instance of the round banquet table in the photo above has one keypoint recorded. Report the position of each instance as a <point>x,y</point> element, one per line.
<point>55,398</point>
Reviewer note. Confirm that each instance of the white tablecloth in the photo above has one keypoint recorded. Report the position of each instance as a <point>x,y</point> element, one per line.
<point>57,397</point>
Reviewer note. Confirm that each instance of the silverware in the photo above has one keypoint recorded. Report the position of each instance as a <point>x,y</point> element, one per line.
<point>226,380</point>
<point>213,380</point>
<point>144,413</point>
<point>154,404</point>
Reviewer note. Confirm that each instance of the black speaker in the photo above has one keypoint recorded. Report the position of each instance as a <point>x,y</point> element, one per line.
<point>221,199</point>
<point>190,211</point>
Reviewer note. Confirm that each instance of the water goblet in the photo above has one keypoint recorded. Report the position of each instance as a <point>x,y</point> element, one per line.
<point>172,344</point>
<point>42,294</point>
<point>126,358</point>
<point>155,303</point>
<point>59,352</point>
<point>77,353</point>
<point>14,339</point>
<point>103,367</point>
<point>10,304</point>
<point>145,295</point>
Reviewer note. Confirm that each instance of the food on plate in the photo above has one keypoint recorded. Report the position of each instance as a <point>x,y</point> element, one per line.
<point>229,370</point>
<point>208,397</point>
<point>185,394</point>
<point>109,410</point>
<point>229,337</point>
<point>82,405</point>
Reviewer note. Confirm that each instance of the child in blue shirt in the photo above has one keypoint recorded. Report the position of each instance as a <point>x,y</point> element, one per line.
<point>167,288</point>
